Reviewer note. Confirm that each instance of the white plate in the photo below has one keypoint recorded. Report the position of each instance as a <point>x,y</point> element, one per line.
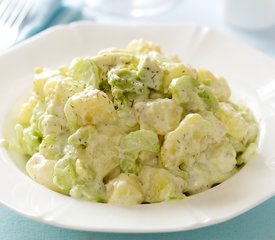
<point>250,74</point>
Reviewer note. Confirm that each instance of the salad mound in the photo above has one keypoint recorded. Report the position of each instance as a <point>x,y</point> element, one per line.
<point>133,126</point>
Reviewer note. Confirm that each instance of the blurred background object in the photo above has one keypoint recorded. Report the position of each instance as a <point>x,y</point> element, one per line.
<point>12,14</point>
<point>233,17</point>
<point>131,8</point>
<point>250,14</point>
<point>21,19</point>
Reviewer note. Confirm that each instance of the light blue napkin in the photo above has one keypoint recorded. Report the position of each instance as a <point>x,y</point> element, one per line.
<point>47,13</point>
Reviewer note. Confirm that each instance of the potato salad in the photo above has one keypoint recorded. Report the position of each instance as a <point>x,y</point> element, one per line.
<point>132,126</point>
